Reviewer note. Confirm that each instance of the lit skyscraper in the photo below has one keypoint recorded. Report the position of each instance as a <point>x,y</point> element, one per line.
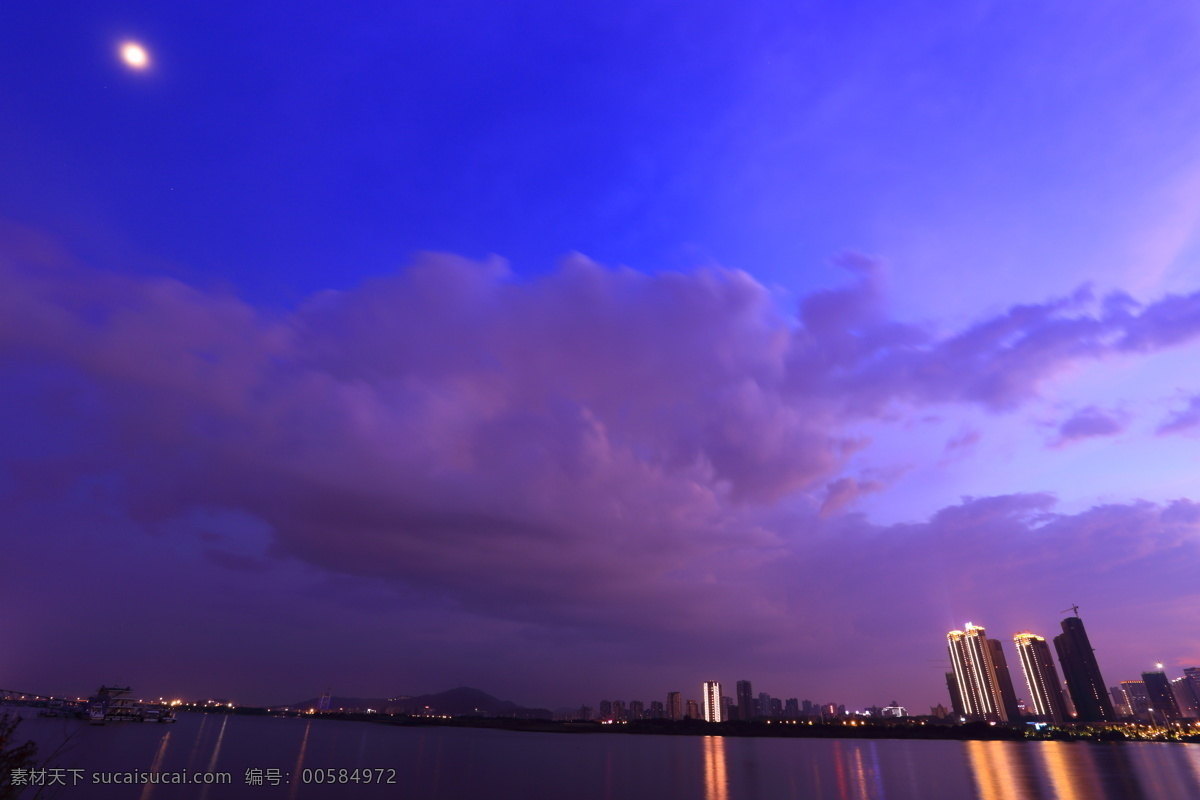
<point>976,675</point>
<point>1084,682</point>
<point>712,701</point>
<point>1041,677</point>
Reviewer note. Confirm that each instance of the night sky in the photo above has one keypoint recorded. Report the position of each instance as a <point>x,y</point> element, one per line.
<point>583,350</point>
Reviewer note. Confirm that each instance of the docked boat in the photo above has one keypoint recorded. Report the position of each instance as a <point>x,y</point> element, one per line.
<point>113,704</point>
<point>116,704</point>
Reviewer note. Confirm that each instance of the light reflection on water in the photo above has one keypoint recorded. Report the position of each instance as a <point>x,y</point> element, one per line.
<point>716,781</point>
<point>465,763</point>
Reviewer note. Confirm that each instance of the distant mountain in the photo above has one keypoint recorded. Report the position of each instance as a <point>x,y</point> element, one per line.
<point>462,701</point>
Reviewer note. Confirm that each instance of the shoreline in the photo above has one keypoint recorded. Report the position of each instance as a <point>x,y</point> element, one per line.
<point>787,729</point>
<point>916,729</point>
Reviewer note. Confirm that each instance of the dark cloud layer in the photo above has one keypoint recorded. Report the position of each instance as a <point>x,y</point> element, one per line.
<point>570,451</point>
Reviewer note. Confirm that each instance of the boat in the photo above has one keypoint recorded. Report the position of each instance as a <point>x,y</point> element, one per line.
<point>113,704</point>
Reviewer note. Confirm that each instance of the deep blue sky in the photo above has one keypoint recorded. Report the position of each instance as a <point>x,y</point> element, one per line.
<point>290,150</point>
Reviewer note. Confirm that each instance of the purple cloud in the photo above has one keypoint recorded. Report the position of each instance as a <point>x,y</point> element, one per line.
<point>962,442</point>
<point>1090,422</point>
<point>1182,420</point>
<point>532,449</point>
<point>844,491</point>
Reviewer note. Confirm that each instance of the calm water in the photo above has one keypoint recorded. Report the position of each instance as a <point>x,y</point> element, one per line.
<point>466,764</point>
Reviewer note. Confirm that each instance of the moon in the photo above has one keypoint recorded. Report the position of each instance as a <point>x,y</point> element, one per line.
<point>134,55</point>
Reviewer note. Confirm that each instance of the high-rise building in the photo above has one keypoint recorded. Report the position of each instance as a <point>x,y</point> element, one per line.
<point>637,710</point>
<point>791,708</point>
<point>1120,702</point>
<point>674,705</point>
<point>764,704</point>
<point>1008,696</point>
<point>726,704</point>
<point>1189,704</point>
<point>712,701</point>
<point>1084,682</point>
<point>745,701</point>
<point>956,702</point>
<point>1041,677</point>
<point>1137,699</point>
<point>693,710</point>
<point>1192,676</point>
<point>975,674</point>
<point>656,709</point>
<point>605,709</point>
<point>1162,699</point>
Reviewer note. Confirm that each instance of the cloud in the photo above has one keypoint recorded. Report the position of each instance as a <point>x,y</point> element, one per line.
<point>844,491</point>
<point>962,442</point>
<point>1182,420</point>
<point>1090,422</point>
<point>531,448</point>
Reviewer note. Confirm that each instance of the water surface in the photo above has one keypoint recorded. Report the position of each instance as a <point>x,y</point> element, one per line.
<point>469,764</point>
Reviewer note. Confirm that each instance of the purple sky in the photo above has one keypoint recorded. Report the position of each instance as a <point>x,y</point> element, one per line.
<point>809,334</point>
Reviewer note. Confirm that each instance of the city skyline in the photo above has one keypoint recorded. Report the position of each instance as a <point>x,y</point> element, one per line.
<point>567,350</point>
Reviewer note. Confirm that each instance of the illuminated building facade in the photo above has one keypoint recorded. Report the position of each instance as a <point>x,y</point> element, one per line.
<point>1041,677</point>
<point>1082,672</point>
<point>976,676</point>
<point>712,701</point>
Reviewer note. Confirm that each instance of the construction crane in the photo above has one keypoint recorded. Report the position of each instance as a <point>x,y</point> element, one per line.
<point>1074,608</point>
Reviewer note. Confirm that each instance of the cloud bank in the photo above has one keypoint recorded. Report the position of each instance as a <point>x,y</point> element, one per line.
<point>571,449</point>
